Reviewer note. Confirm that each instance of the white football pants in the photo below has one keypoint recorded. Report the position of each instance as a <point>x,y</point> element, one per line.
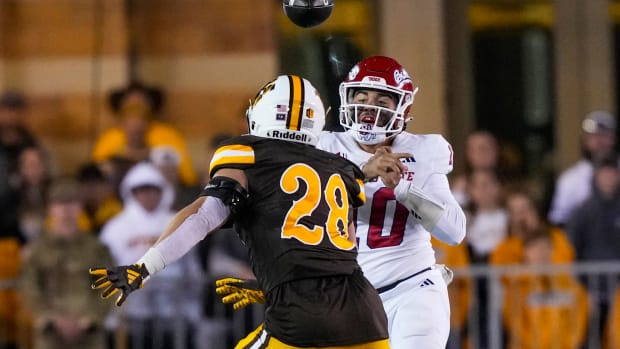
<point>418,312</point>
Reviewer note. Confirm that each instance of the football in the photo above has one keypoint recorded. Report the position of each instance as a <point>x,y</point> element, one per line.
<point>308,13</point>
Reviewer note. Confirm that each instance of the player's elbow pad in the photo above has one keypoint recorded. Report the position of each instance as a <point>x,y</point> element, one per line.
<point>231,192</point>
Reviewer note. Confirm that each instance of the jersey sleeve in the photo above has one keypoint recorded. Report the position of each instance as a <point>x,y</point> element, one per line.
<point>234,153</point>
<point>442,160</point>
<point>358,198</point>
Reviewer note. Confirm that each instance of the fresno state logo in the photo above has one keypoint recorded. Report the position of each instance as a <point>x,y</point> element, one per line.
<point>400,76</point>
<point>354,71</point>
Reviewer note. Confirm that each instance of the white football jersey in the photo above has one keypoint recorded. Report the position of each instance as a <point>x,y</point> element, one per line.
<point>392,244</point>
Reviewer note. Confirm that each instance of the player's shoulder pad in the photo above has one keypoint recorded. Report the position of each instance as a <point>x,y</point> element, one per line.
<point>443,161</point>
<point>325,139</point>
<point>227,189</point>
<point>235,152</point>
<point>438,152</point>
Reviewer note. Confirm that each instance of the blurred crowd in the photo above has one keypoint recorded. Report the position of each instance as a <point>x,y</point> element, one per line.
<point>53,228</point>
<point>512,223</point>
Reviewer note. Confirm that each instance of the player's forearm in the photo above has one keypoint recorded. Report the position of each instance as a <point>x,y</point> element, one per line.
<point>185,231</point>
<point>450,228</point>
<point>436,208</point>
<point>180,217</point>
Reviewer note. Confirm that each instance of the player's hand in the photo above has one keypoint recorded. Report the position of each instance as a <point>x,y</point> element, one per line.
<point>446,273</point>
<point>125,278</point>
<point>386,165</point>
<point>239,292</point>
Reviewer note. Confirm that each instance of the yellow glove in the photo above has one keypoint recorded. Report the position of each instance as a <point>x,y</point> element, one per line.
<point>239,292</point>
<point>126,278</point>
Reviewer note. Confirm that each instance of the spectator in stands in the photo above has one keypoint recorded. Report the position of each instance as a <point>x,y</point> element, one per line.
<point>487,226</point>
<point>9,306</point>
<point>594,230</point>
<point>573,186</point>
<point>35,175</point>
<point>54,283</point>
<point>138,108</point>
<point>98,196</point>
<point>14,138</point>
<point>4,172</point>
<point>525,219</point>
<point>14,133</point>
<point>9,214</point>
<point>487,219</point>
<point>483,152</point>
<point>168,162</point>
<point>543,311</point>
<point>612,335</point>
<point>173,297</point>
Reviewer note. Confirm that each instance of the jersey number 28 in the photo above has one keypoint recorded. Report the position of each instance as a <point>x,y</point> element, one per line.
<point>336,225</point>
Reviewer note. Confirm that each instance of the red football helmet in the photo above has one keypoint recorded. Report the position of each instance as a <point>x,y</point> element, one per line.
<point>373,124</point>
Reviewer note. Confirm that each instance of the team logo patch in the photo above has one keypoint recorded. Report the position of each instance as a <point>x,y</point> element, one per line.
<point>427,282</point>
<point>400,76</point>
<point>268,87</point>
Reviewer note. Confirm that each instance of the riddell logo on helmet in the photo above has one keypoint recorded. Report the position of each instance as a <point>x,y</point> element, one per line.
<point>374,79</point>
<point>288,135</point>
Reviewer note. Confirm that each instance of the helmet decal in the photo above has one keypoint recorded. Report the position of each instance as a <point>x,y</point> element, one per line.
<point>400,76</point>
<point>266,88</point>
<point>287,108</point>
<point>295,110</point>
<point>354,71</point>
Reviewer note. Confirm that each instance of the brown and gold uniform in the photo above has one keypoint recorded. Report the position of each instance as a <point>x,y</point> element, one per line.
<point>295,226</point>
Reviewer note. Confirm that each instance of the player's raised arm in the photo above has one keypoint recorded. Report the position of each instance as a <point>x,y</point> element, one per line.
<point>188,227</point>
<point>432,201</point>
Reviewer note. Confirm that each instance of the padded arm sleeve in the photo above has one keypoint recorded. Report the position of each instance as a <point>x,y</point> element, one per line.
<point>435,207</point>
<point>210,216</point>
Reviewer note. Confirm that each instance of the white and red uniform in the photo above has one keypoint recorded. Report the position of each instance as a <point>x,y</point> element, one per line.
<point>395,251</point>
